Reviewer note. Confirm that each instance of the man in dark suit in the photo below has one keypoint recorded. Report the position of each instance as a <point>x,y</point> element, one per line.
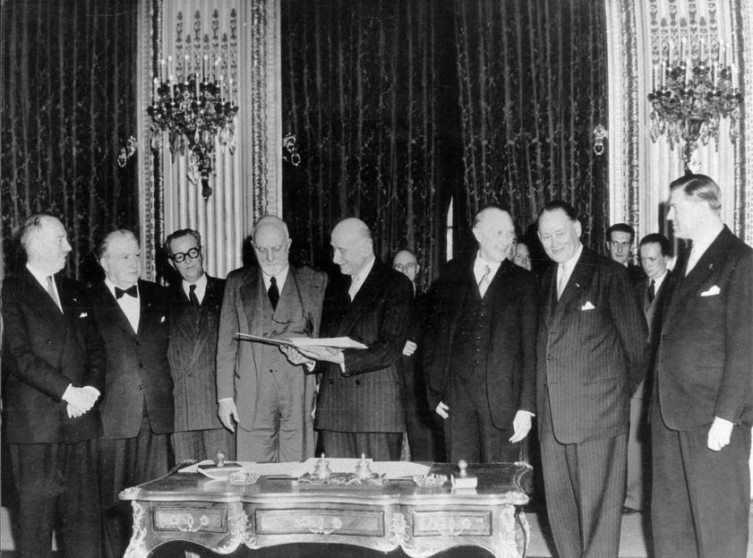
<point>482,366</point>
<point>195,303</point>
<point>702,408</point>
<point>425,435</point>
<point>270,398</point>
<point>137,411</point>
<point>654,254</point>
<point>359,409</point>
<point>591,355</point>
<point>620,238</point>
<point>56,364</point>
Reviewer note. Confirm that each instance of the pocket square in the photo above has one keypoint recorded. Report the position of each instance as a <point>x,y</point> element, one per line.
<point>162,320</point>
<point>713,291</point>
<point>83,315</point>
<point>587,306</point>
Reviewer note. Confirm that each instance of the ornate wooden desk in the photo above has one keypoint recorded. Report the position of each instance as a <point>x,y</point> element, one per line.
<point>421,521</point>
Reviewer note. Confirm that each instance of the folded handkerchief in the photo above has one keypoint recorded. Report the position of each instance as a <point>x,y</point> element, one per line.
<point>162,320</point>
<point>588,306</point>
<point>713,291</point>
<point>83,315</point>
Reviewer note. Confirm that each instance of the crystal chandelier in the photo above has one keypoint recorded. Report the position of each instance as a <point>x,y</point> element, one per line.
<point>691,94</point>
<point>194,110</point>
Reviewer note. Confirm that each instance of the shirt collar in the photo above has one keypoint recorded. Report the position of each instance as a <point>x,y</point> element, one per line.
<point>40,276</point>
<point>280,278</point>
<point>569,265</point>
<point>201,286</point>
<point>360,277</point>
<point>701,244</point>
<point>111,287</point>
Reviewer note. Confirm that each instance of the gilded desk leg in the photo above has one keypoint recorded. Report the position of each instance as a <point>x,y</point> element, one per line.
<point>137,548</point>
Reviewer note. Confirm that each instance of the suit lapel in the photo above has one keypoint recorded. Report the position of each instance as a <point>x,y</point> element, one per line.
<point>364,298</point>
<point>685,286</point>
<point>578,279</point>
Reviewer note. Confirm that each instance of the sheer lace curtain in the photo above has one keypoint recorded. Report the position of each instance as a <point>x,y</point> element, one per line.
<point>246,181</point>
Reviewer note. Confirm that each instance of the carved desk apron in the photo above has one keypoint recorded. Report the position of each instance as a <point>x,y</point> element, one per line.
<point>421,521</point>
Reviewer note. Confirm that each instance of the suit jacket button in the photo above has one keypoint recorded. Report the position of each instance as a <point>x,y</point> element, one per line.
<point>358,382</point>
<point>141,387</point>
<point>549,357</point>
<point>141,365</point>
<point>331,382</point>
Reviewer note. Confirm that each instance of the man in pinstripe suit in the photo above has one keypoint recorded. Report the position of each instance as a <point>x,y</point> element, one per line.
<point>591,355</point>
<point>360,406</point>
<point>195,301</point>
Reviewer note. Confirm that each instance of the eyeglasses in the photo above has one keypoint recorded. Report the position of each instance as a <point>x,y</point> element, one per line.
<point>180,257</point>
<point>404,267</point>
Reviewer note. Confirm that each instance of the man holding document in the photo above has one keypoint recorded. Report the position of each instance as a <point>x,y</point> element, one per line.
<point>360,408</point>
<point>269,398</point>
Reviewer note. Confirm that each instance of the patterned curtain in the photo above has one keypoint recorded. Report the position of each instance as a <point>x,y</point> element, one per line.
<point>532,86</point>
<point>394,108</point>
<point>68,110</point>
<point>361,112</point>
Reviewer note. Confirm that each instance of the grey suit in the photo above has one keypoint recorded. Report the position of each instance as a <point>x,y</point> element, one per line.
<point>274,398</point>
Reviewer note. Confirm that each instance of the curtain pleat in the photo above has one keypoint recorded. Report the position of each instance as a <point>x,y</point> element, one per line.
<point>68,106</point>
<point>531,86</point>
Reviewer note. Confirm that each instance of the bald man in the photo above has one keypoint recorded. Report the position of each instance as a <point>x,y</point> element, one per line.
<point>481,367</point>
<point>360,410</point>
<point>269,398</point>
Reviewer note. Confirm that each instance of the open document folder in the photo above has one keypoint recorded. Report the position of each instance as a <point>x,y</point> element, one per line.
<point>303,342</point>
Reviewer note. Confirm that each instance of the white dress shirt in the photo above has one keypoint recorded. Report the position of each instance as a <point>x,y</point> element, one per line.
<point>199,291</point>
<point>130,306</point>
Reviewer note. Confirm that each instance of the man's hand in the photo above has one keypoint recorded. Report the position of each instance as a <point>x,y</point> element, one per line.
<point>410,348</point>
<point>228,414</point>
<point>521,426</point>
<point>442,410</point>
<point>295,357</point>
<point>80,400</point>
<point>327,354</point>
<point>719,434</point>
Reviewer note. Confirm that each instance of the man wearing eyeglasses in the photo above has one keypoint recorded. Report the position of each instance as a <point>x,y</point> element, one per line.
<point>195,301</point>
<point>269,398</point>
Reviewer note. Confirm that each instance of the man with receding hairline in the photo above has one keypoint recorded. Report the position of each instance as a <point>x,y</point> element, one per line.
<point>591,356</point>
<point>481,363</point>
<point>137,411</point>
<point>269,398</point>
<point>55,361</point>
<point>359,409</point>
<point>702,405</point>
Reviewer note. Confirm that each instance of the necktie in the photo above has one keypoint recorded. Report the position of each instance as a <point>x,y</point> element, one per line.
<point>130,291</point>
<point>353,288</point>
<point>273,293</point>
<point>562,281</point>
<point>192,296</point>
<point>483,283</point>
<point>651,291</point>
<point>52,292</point>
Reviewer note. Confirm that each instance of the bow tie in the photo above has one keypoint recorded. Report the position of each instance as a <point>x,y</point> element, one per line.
<point>130,291</point>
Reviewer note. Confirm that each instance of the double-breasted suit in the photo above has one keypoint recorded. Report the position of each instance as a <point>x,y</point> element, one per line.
<point>192,355</point>
<point>366,397</point>
<point>704,369</point>
<point>137,410</point>
<point>591,354</point>
<point>54,456</point>
<point>502,364</point>
<point>274,398</point>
